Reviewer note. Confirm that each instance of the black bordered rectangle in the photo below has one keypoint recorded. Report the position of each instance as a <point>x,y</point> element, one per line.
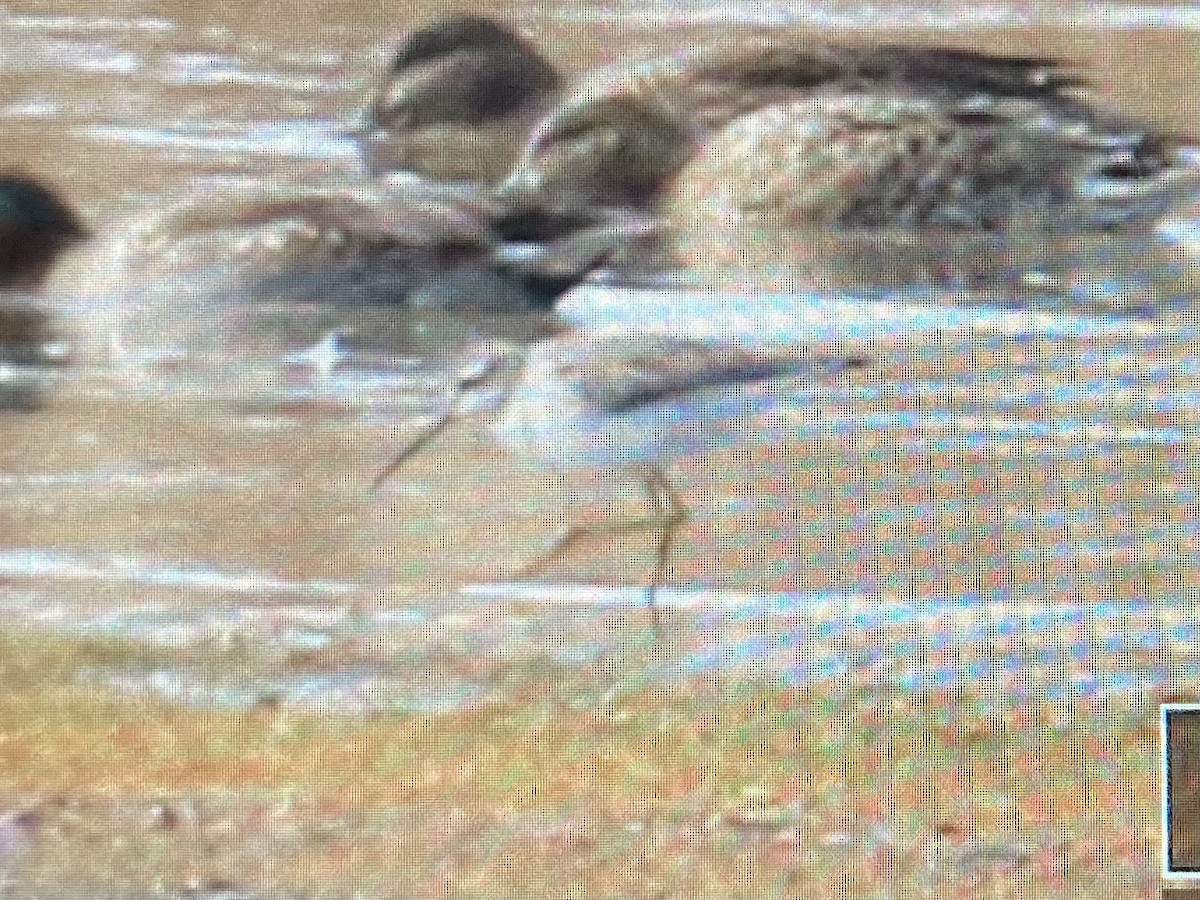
<point>1181,790</point>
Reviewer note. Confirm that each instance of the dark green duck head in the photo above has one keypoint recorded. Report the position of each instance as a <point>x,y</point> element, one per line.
<point>35,227</point>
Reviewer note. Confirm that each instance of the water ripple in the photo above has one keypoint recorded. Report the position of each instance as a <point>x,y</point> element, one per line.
<point>294,139</point>
<point>34,563</point>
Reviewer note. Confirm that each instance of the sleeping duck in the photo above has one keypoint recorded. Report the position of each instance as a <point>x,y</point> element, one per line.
<point>367,242</point>
<point>458,102</point>
<point>887,165</point>
<point>888,189</point>
<point>622,138</point>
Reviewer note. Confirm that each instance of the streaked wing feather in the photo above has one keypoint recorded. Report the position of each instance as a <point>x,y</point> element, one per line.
<point>626,372</point>
<point>967,71</point>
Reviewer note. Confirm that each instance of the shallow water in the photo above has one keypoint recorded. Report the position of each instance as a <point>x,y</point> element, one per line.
<point>1006,500</point>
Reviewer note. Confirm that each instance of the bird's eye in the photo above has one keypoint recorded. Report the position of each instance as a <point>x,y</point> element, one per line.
<point>555,145</point>
<point>571,133</point>
<point>1124,164</point>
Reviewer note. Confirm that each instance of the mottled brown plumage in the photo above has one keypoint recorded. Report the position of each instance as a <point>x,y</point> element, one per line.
<point>623,136</point>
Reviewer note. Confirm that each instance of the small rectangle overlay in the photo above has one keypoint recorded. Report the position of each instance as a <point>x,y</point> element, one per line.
<point>1181,790</point>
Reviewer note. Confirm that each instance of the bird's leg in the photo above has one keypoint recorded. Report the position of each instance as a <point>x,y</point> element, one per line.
<point>662,510</point>
<point>579,533</point>
<point>667,515</point>
<point>467,379</point>
<point>443,421</point>
<point>671,514</point>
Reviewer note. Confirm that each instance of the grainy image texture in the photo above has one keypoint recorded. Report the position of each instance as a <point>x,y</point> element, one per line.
<point>604,449</point>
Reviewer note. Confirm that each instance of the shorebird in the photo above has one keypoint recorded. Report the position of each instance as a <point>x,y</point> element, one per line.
<point>458,101</point>
<point>628,402</point>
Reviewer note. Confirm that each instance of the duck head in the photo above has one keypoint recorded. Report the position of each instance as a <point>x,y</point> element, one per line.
<point>35,227</point>
<point>459,82</point>
<point>613,151</point>
<point>464,69</point>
